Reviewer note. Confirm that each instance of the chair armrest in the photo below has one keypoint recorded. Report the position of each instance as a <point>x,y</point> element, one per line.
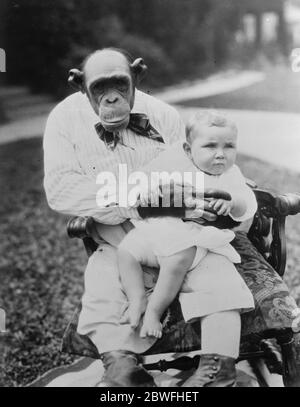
<point>80,227</point>
<point>274,205</point>
<point>267,232</point>
<point>288,204</point>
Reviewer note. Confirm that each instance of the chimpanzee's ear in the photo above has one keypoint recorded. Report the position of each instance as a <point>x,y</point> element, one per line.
<point>139,69</point>
<point>76,79</point>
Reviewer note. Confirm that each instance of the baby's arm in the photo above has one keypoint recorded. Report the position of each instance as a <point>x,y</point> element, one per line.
<point>236,207</point>
<point>243,204</point>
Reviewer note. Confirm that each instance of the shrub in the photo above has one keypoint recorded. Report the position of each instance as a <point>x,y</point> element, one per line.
<point>46,38</point>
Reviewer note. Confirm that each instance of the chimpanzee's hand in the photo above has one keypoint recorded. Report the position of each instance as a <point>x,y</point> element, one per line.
<point>199,209</point>
<point>199,203</point>
<point>150,194</point>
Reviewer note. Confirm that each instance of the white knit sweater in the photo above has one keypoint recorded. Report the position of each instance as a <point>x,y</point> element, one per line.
<point>74,155</point>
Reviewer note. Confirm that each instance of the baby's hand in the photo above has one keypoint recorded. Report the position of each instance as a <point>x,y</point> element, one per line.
<point>221,206</point>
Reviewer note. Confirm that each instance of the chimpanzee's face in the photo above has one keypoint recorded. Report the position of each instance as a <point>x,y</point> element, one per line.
<point>110,89</point>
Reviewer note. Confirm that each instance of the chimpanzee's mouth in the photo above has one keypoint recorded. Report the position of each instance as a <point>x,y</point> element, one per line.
<point>116,122</point>
<point>109,116</point>
<point>114,119</point>
<point>115,125</point>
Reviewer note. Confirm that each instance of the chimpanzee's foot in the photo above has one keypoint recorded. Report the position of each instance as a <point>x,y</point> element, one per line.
<point>134,312</point>
<point>151,325</point>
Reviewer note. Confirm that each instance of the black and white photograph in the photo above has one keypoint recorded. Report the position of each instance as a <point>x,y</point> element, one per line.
<point>133,135</point>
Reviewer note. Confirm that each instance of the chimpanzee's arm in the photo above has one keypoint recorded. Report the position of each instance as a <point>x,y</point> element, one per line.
<point>68,189</point>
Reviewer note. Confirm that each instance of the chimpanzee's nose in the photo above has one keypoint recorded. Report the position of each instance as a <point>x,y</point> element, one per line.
<point>112,99</point>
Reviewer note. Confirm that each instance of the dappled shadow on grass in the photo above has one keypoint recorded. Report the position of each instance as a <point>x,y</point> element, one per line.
<point>41,270</point>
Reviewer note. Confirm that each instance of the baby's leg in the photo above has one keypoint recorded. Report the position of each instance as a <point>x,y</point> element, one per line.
<point>171,275</point>
<point>131,274</point>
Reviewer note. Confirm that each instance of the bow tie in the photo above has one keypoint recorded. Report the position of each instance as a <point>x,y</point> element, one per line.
<point>138,123</point>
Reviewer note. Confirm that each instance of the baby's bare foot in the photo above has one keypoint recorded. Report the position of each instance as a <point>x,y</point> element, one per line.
<point>151,325</point>
<point>134,313</point>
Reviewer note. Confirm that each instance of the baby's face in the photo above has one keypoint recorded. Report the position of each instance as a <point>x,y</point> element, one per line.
<point>213,149</point>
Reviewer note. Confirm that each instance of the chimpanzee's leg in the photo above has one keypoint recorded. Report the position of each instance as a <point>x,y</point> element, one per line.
<point>221,333</point>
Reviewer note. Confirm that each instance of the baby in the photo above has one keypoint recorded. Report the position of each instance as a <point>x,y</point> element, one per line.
<point>177,247</point>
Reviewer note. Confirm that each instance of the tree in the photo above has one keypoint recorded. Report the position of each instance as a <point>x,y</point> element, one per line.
<point>176,37</point>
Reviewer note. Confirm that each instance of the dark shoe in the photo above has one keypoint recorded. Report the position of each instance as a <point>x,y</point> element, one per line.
<point>123,369</point>
<point>291,361</point>
<point>213,371</point>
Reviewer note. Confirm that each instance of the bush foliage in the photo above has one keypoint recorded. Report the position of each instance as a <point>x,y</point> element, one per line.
<point>176,38</point>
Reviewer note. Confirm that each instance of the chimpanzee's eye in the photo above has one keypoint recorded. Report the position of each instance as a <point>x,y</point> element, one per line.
<point>121,84</point>
<point>97,88</point>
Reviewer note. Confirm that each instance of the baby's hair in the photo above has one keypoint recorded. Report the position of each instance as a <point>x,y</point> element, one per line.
<point>209,119</point>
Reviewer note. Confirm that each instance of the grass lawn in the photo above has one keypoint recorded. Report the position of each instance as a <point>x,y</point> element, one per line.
<point>41,270</point>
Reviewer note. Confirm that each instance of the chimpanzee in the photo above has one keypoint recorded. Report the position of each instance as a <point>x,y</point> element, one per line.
<point>111,94</point>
